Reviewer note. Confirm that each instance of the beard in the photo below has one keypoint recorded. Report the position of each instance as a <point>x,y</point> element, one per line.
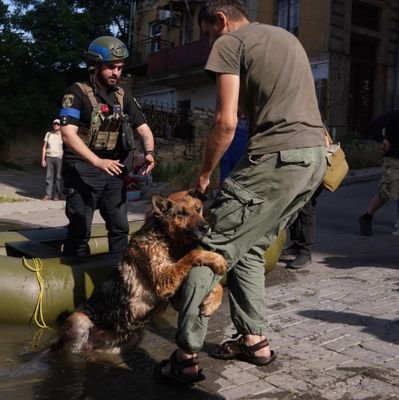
<point>110,82</point>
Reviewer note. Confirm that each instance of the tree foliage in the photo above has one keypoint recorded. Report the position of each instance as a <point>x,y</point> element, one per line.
<point>42,47</point>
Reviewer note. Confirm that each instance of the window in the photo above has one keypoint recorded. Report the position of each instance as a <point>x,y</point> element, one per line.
<point>288,15</point>
<point>184,106</point>
<point>155,36</point>
<point>366,15</point>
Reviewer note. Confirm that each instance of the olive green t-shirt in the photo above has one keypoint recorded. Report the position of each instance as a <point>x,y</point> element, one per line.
<point>277,91</point>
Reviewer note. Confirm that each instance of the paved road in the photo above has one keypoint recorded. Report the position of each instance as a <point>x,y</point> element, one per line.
<point>28,188</point>
<point>335,325</point>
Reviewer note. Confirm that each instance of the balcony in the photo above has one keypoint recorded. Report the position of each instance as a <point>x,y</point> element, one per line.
<point>176,61</point>
<point>138,60</point>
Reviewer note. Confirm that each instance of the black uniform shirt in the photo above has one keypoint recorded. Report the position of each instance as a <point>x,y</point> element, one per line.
<point>77,109</point>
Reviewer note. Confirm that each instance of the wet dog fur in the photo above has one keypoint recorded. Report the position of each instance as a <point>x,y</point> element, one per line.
<point>158,258</point>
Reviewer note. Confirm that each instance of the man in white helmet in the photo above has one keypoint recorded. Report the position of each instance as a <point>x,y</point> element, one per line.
<point>97,124</point>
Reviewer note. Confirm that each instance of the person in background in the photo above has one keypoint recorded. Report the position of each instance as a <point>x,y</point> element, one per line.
<point>396,226</point>
<point>236,149</point>
<point>302,236</point>
<point>385,130</point>
<point>52,160</point>
<point>97,124</point>
<point>264,71</point>
<point>184,129</point>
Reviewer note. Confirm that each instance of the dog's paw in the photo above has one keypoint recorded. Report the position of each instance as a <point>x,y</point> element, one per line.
<point>207,308</point>
<point>212,301</point>
<point>216,262</point>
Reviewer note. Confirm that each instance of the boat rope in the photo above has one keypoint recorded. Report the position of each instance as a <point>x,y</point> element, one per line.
<point>38,313</point>
<point>36,339</point>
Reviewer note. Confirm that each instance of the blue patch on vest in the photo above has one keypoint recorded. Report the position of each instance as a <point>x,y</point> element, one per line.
<point>70,112</point>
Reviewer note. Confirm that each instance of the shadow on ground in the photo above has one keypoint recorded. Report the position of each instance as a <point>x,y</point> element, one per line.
<point>383,329</point>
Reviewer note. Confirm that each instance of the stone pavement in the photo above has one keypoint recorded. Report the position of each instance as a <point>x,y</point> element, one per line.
<point>335,325</point>
<point>28,188</point>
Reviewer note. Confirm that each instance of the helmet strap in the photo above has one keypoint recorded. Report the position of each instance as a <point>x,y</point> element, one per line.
<point>92,73</point>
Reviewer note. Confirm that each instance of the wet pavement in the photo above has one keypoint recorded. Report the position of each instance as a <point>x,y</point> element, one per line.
<point>334,325</point>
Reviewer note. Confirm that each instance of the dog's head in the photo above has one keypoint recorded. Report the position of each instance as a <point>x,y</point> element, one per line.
<point>181,215</point>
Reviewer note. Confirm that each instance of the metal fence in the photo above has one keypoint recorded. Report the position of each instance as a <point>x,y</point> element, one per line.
<point>162,119</point>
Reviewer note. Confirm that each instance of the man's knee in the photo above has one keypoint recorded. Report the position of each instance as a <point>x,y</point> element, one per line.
<point>200,275</point>
<point>199,282</point>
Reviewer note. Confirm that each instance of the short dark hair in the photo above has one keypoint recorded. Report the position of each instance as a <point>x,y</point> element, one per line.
<point>234,9</point>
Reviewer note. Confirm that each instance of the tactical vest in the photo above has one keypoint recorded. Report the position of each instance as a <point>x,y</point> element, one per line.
<point>104,130</point>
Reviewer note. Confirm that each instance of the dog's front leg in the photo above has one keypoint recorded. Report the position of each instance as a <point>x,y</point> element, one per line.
<point>213,301</point>
<point>173,276</point>
<point>209,305</point>
<point>216,262</point>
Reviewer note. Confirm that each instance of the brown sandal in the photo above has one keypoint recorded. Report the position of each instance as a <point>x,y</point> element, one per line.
<point>176,375</point>
<point>225,351</point>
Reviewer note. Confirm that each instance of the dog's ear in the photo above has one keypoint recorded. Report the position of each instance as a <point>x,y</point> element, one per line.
<point>160,204</point>
<point>198,195</point>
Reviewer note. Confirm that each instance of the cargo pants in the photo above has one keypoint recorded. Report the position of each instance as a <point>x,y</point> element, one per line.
<point>388,187</point>
<point>262,196</point>
<point>87,189</point>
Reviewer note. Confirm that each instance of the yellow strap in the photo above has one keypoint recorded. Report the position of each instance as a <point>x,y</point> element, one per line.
<point>328,136</point>
<point>38,313</point>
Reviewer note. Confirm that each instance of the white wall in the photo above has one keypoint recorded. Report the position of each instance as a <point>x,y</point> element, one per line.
<point>201,97</point>
<point>165,98</point>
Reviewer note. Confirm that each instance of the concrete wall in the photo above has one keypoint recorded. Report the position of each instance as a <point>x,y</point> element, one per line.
<point>261,11</point>
<point>314,28</point>
<point>175,150</point>
<point>23,148</point>
<point>385,39</point>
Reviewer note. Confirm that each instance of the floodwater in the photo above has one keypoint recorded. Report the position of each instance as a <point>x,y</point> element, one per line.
<point>29,371</point>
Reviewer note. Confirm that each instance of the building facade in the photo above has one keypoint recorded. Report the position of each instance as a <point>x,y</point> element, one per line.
<point>352,47</point>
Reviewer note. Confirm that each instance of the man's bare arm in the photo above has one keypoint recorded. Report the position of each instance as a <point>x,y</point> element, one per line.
<point>147,138</point>
<point>223,127</point>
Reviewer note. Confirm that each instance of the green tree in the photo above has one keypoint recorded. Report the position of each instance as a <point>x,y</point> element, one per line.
<point>42,47</point>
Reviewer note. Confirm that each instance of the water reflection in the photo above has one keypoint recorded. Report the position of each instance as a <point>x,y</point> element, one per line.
<point>29,372</point>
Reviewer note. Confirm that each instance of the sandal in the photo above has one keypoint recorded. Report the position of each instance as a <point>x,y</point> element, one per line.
<point>225,351</point>
<point>176,375</point>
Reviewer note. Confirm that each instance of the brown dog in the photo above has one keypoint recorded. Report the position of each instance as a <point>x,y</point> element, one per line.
<point>157,260</point>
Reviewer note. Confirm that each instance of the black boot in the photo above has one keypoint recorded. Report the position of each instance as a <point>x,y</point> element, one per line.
<point>302,260</point>
<point>365,223</point>
<point>290,252</point>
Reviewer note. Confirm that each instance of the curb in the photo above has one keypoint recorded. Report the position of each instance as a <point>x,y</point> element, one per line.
<point>362,175</point>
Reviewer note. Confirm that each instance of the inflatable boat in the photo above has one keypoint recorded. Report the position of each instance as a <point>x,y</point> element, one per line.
<point>38,285</point>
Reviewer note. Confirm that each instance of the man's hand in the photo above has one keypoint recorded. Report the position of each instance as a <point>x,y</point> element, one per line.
<point>149,164</point>
<point>111,167</point>
<point>44,163</point>
<point>202,183</point>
